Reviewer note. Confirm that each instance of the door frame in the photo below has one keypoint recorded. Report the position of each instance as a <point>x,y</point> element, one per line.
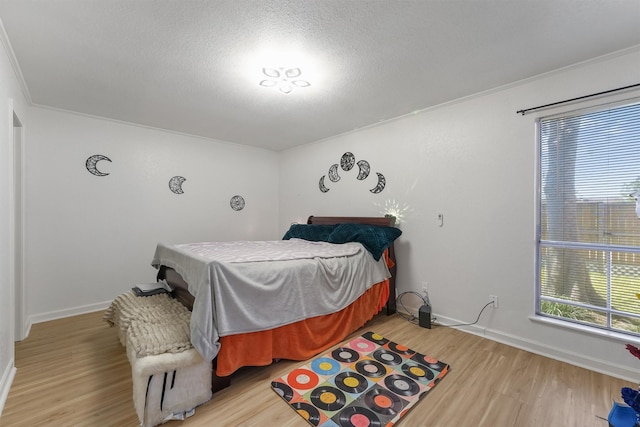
<point>17,226</point>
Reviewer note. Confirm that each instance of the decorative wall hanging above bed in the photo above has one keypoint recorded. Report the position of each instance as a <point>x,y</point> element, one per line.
<point>175,184</point>
<point>382,182</point>
<point>333,173</point>
<point>92,162</point>
<point>364,170</point>
<point>347,161</point>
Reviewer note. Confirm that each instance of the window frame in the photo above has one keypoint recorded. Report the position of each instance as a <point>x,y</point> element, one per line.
<point>558,112</point>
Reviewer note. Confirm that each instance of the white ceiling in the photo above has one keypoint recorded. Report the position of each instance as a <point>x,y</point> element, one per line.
<point>193,66</point>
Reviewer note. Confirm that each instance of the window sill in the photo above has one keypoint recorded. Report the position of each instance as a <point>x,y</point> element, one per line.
<point>587,330</point>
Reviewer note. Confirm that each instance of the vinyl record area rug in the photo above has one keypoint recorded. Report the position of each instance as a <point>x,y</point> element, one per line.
<point>367,382</point>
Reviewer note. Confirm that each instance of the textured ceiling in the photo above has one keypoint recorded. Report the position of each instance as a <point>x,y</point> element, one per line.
<point>193,66</point>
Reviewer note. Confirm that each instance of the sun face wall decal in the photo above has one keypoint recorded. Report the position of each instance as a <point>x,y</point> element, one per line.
<point>347,162</point>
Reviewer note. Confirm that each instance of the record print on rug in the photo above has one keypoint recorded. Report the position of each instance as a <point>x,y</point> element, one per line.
<point>369,380</point>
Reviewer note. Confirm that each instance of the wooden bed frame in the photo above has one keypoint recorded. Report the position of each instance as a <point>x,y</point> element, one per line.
<point>182,294</point>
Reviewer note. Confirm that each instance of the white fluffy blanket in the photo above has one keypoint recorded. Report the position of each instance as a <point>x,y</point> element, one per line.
<point>150,325</point>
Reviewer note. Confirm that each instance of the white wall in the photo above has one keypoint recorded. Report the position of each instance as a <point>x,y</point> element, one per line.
<point>89,238</point>
<point>473,161</point>
<point>11,99</point>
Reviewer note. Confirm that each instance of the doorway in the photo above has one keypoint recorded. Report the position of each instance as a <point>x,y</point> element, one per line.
<point>17,228</point>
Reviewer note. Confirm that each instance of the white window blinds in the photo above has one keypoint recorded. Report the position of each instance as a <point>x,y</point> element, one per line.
<point>589,235</point>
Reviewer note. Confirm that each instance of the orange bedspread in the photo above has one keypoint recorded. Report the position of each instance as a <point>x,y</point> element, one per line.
<point>301,340</point>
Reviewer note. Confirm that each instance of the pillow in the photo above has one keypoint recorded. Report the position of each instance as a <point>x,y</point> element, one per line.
<point>375,238</point>
<point>311,232</point>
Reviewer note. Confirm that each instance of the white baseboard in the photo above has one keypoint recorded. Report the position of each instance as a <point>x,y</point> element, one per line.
<point>5,383</point>
<point>576,359</point>
<point>24,331</point>
<point>59,314</point>
<point>597,365</point>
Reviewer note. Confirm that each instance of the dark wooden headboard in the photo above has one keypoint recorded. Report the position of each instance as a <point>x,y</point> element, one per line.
<point>331,220</point>
<point>371,220</point>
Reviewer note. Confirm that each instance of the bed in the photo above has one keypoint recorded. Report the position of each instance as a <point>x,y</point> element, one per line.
<point>237,328</point>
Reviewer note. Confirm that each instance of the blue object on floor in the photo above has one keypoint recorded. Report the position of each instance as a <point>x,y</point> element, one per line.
<point>621,416</point>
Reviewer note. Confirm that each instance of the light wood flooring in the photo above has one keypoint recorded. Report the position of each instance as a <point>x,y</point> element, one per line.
<point>74,372</point>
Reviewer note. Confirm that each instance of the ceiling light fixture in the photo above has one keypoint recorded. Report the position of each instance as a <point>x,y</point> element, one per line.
<point>285,79</point>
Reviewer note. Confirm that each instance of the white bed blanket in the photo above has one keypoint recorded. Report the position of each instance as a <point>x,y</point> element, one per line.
<point>242,287</point>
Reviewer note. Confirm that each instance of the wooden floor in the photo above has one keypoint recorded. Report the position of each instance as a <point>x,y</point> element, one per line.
<point>74,372</point>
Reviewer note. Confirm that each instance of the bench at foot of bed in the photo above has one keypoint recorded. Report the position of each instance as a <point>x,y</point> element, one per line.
<point>169,386</point>
<point>170,378</point>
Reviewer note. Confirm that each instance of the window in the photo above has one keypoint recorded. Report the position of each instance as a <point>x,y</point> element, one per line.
<point>589,233</point>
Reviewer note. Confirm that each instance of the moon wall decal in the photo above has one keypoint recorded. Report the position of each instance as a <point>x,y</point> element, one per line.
<point>175,184</point>
<point>91,164</point>
<point>333,173</point>
<point>322,186</point>
<point>347,161</point>
<point>381,183</point>
<point>237,203</point>
<point>364,167</point>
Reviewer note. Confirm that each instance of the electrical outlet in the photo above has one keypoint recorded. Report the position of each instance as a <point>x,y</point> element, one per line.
<point>494,300</point>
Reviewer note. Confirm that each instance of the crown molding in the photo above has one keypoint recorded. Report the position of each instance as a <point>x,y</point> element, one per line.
<point>4,39</point>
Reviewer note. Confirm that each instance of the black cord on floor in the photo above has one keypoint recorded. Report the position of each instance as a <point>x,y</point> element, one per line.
<point>411,318</point>
<point>466,324</point>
